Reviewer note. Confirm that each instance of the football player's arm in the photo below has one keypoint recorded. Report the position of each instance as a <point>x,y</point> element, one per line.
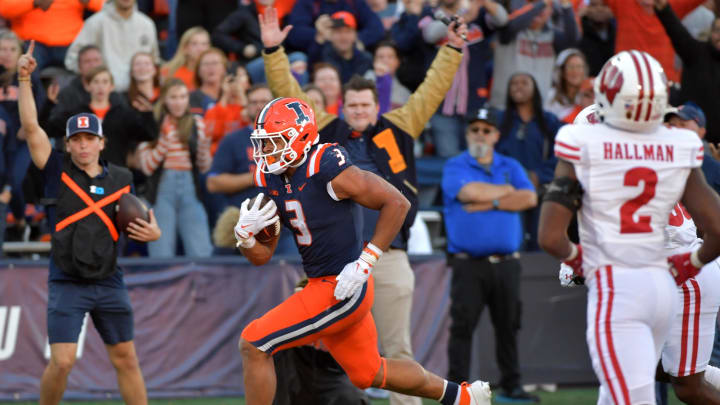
<point>261,252</point>
<point>37,139</point>
<point>703,204</point>
<point>277,66</point>
<point>555,218</point>
<point>371,191</point>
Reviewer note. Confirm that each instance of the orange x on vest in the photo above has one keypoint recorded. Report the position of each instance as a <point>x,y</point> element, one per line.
<point>92,206</point>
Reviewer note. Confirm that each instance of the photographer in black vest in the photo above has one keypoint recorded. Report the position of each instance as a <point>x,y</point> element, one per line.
<point>84,276</point>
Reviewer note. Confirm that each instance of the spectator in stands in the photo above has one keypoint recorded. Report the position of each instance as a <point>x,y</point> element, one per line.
<point>391,93</point>
<point>124,127</point>
<point>638,28</point>
<point>388,12</point>
<point>337,45</point>
<point>307,15</point>
<point>598,34</point>
<point>470,86</point>
<point>144,87</point>
<point>527,42</point>
<point>16,147</point>
<point>83,273</point>
<point>75,95</point>
<point>385,146</point>
<point>120,31</point>
<point>483,194</point>
<point>327,78</point>
<point>690,116</point>
<point>701,65</point>
<point>203,13</point>
<point>173,165</point>
<point>227,115</point>
<point>239,34</point>
<point>315,95</point>
<point>528,135</point>
<point>183,64</point>
<point>209,75</point>
<point>407,33</point>
<point>53,24</point>
<point>571,70</point>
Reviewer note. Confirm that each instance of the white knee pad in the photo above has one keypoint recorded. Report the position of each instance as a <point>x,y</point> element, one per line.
<point>712,376</point>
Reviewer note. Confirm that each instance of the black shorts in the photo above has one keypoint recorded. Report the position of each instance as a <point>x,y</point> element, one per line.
<point>109,309</point>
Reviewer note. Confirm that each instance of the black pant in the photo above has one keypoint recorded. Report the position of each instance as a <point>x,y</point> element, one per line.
<point>475,284</point>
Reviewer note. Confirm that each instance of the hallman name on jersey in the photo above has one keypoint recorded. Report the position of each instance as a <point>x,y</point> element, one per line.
<point>625,151</point>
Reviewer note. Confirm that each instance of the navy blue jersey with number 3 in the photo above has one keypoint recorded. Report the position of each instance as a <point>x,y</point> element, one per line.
<point>327,231</point>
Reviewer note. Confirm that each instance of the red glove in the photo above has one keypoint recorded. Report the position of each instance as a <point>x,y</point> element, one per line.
<point>575,260</point>
<point>682,266</point>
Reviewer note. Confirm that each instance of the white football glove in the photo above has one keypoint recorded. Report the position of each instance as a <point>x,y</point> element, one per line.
<point>566,275</point>
<point>253,219</point>
<point>355,274</point>
<point>568,278</point>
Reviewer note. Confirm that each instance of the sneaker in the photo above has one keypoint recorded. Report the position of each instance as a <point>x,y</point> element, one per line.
<point>479,392</point>
<point>516,395</point>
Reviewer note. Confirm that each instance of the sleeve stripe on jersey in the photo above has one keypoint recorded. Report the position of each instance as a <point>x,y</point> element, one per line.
<point>566,156</point>
<point>314,165</point>
<point>260,176</point>
<point>566,146</point>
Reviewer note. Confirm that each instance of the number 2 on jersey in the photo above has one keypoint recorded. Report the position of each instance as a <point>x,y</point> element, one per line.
<point>304,238</point>
<point>633,177</point>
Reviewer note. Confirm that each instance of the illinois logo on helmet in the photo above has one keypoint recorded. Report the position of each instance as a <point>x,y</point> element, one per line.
<point>285,130</point>
<point>632,92</point>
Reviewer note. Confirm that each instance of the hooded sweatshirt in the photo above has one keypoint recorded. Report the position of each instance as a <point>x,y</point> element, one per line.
<point>118,39</point>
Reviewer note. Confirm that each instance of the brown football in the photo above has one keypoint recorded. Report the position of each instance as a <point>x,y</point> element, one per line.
<point>271,231</point>
<point>128,208</point>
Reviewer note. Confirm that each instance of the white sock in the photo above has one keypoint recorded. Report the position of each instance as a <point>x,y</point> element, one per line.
<point>712,376</point>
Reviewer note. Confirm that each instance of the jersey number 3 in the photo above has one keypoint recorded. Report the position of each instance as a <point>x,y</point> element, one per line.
<point>304,238</point>
<point>633,177</point>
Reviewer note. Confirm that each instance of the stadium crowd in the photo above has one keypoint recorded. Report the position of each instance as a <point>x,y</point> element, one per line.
<point>178,83</point>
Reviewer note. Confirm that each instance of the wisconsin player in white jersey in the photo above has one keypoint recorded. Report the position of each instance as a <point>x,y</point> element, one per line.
<point>625,175</point>
<point>687,351</point>
<point>688,348</point>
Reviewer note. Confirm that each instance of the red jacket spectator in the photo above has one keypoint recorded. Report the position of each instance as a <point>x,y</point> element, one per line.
<point>638,28</point>
<point>57,26</point>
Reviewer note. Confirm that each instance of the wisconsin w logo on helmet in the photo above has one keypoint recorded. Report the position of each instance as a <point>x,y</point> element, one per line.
<point>611,82</point>
<point>632,92</point>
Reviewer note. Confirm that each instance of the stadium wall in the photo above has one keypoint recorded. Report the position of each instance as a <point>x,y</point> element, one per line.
<point>189,315</point>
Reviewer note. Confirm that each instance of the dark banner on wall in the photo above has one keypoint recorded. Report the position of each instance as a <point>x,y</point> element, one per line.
<point>189,315</point>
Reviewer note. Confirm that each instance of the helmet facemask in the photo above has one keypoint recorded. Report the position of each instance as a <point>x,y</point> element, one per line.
<point>283,155</point>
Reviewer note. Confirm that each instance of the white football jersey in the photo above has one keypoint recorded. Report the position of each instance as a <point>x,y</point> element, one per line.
<point>631,182</point>
<point>681,232</point>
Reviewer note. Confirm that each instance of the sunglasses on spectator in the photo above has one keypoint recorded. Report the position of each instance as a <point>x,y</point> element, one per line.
<point>486,131</point>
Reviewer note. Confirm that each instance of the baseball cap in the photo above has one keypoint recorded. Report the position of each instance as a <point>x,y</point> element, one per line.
<point>83,122</point>
<point>488,115</point>
<point>343,19</point>
<point>690,111</point>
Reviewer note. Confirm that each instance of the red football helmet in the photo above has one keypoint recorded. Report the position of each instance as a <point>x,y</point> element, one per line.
<point>288,124</point>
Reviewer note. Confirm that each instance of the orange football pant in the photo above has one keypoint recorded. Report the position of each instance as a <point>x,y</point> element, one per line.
<point>346,327</point>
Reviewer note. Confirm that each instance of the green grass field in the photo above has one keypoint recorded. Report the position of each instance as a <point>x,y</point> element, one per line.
<point>576,396</point>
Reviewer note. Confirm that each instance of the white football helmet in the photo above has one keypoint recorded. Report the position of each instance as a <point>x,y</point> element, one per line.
<point>588,115</point>
<point>632,92</point>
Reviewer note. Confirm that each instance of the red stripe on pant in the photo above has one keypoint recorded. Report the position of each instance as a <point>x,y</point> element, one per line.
<point>696,326</point>
<point>685,326</point>
<point>608,335</point>
<point>597,336</point>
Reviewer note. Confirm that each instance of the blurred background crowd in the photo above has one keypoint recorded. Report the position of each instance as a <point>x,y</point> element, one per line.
<point>171,76</point>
